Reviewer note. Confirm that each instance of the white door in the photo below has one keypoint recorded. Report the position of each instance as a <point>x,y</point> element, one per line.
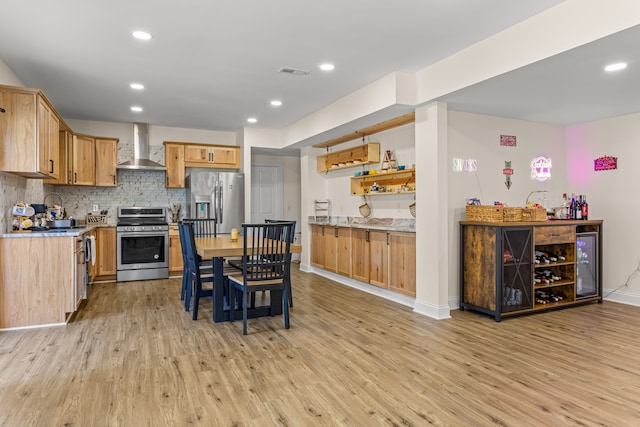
<point>267,197</point>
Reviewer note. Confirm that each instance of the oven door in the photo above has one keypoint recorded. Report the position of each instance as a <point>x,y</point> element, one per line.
<point>143,250</point>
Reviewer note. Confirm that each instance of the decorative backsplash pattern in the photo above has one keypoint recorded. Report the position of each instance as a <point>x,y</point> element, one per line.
<point>135,188</point>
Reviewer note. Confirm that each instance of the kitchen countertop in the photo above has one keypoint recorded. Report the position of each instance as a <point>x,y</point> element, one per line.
<point>407,225</point>
<point>64,232</point>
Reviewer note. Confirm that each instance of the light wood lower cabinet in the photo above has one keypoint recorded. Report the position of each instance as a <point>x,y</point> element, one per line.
<point>378,257</point>
<point>402,263</point>
<point>106,266</point>
<point>175,251</point>
<point>36,280</point>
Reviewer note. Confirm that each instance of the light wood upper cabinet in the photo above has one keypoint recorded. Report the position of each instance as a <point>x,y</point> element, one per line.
<point>28,134</point>
<point>48,128</point>
<point>106,162</point>
<point>402,263</point>
<point>83,160</point>
<point>174,160</point>
<point>218,156</point>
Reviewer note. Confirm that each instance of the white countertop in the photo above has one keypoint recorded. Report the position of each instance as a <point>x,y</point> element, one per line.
<point>64,232</point>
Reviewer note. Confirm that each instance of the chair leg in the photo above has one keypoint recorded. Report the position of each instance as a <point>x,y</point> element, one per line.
<point>232,297</point>
<point>188,290</point>
<point>244,310</point>
<point>285,306</point>
<point>196,299</point>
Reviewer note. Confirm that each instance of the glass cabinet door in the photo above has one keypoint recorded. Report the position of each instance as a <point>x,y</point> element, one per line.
<point>586,265</point>
<point>517,270</point>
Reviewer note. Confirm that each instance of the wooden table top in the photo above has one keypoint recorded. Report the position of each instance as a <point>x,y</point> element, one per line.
<point>222,246</point>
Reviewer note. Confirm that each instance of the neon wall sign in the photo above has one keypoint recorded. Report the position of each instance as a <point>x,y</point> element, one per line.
<point>541,168</point>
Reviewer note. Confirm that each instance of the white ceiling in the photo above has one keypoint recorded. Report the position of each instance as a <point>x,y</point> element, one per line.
<point>212,64</point>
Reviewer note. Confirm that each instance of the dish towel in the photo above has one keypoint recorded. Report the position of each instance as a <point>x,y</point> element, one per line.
<point>92,249</point>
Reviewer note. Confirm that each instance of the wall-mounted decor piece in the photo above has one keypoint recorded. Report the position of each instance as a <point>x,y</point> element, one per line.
<point>465,165</point>
<point>508,140</point>
<point>541,168</point>
<point>605,163</point>
<point>507,172</point>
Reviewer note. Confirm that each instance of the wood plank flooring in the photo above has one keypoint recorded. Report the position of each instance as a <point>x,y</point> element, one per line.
<point>134,357</point>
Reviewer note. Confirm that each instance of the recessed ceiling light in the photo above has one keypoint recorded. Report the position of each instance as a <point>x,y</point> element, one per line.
<point>327,67</point>
<point>252,120</point>
<point>616,67</point>
<point>276,103</point>
<point>136,109</point>
<point>137,86</point>
<point>142,35</point>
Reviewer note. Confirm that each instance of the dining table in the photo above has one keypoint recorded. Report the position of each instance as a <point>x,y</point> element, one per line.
<point>220,247</point>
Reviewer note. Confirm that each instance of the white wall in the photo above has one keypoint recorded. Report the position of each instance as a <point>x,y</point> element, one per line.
<point>473,136</point>
<point>611,195</point>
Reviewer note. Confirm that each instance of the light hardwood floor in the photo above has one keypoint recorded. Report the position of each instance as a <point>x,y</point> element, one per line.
<point>133,357</point>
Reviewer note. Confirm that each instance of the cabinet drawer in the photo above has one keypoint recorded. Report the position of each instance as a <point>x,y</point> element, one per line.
<point>554,234</point>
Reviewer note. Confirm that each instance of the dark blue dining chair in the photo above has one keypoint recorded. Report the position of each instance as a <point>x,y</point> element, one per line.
<point>265,266</point>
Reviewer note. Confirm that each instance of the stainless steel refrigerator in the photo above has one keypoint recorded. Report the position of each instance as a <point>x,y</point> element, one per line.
<point>218,195</point>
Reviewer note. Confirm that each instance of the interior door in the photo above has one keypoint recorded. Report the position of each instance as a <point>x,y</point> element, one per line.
<point>267,198</point>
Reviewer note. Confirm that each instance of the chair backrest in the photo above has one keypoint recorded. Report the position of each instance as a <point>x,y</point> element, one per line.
<point>183,241</point>
<point>265,257</point>
<point>203,227</point>
<point>191,255</point>
<point>292,232</point>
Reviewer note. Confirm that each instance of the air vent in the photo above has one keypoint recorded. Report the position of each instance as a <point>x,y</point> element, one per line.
<point>293,71</point>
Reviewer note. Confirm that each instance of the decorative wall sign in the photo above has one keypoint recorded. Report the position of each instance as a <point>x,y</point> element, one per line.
<point>507,172</point>
<point>508,140</point>
<point>465,165</point>
<point>541,168</point>
<point>605,163</point>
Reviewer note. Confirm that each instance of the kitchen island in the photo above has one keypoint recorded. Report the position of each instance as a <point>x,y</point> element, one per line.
<point>42,277</point>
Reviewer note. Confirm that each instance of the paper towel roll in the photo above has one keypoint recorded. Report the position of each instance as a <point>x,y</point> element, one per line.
<point>92,249</point>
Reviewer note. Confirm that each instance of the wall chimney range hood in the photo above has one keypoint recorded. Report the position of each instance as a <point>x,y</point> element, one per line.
<point>141,159</point>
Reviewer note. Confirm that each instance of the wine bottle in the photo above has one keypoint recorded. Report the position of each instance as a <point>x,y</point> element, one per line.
<point>585,208</point>
<point>579,207</point>
<point>572,208</point>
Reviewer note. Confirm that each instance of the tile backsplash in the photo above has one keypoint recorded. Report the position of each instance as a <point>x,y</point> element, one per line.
<point>135,188</point>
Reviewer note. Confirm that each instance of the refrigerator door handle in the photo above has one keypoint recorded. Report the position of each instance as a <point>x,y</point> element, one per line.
<point>220,207</point>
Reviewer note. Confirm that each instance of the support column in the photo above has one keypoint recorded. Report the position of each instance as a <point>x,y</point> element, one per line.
<point>432,245</point>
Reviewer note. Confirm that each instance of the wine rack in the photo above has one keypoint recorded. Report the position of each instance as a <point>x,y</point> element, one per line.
<point>508,269</point>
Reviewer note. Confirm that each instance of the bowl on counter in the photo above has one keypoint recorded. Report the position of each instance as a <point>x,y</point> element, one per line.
<point>62,223</point>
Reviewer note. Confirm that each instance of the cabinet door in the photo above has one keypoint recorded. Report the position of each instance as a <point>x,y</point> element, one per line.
<point>175,250</point>
<point>106,162</point>
<point>17,132</point>
<point>402,263</point>
<point>65,145</point>
<point>83,160</point>
<point>379,252</point>
<point>317,246</point>
<point>331,248</point>
<point>48,127</point>
<point>360,254</point>
<point>174,160</point>
<point>106,251</point>
<point>197,154</point>
<point>517,272</point>
<point>226,157</point>
<point>343,265</point>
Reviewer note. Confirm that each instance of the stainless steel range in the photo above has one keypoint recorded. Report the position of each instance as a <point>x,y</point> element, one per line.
<point>143,243</point>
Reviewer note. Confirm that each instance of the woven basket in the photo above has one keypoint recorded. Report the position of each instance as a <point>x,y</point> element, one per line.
<point>479,213</point>
<point>512,214</point>
<point>534,214</point>
<point>412,209</point>
<point>365,210</point>
<point>93,219</point>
